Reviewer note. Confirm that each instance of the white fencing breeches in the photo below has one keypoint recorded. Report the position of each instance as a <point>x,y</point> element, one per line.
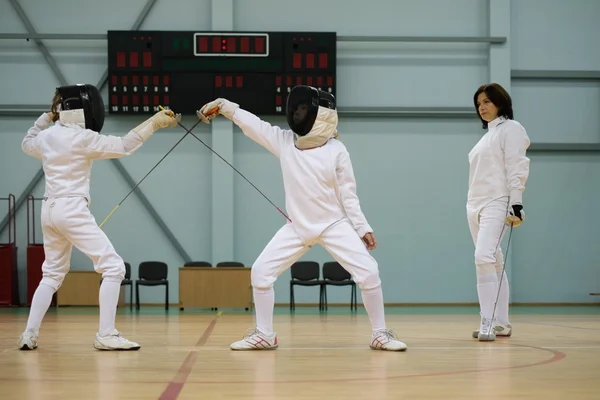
<point>340,240</point>
<point>67,222</point>
<point>487,228</point>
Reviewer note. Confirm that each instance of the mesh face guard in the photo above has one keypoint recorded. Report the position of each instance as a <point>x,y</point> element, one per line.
<point>86,98</point>
<point>302,107</point>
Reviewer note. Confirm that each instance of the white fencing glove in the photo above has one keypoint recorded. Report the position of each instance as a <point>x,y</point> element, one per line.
<point>516,215</point>
<point>160,120</point>
<point>209,111</point>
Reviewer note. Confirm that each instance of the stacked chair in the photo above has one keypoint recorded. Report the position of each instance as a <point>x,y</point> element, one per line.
<point>307,273</point>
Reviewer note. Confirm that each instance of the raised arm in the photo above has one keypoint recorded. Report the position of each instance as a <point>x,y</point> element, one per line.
<point>30,144</point>
<point>347,189</point>
<point>269,136</point>
<point>97,146</point>
<point>515,144</point>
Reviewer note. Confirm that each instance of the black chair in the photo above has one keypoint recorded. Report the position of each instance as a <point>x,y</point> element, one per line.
<point>305,273</point>
<point>230,264</point>
<point>197,264</point>
<point>127,282</point>
<point>152,273</point>
<point>335,275</point>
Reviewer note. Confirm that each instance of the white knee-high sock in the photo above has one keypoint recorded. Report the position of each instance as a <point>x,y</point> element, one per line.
<point>109,298</point>
<point>487,290</point>
<point>487,297</point>
<point>502,307</point>
<point>264,302</point>
<point>373,301</point>
<point>39,306</point>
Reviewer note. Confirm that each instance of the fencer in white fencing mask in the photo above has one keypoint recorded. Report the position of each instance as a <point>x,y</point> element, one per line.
<point>81,104</point>
<point>312,115</point>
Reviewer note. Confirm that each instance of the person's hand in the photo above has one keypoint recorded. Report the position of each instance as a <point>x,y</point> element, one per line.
<point>370,241</point>
<point>165,119</point>
<point>219,106</point>
<point>50,115</point>
<point>516,215</point>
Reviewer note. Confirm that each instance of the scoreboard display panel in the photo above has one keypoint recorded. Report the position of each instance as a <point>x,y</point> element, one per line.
<point>183,70</point>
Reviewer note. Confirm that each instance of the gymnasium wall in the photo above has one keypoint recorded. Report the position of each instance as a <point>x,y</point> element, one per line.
<point>411,172</point>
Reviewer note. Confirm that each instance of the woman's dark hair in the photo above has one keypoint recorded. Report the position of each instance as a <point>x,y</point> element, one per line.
<point>56,100</point>
<point>499,97</point>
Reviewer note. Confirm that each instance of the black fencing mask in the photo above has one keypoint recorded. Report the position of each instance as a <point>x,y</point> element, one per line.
<point>82,105</point>
<point>302,108</point>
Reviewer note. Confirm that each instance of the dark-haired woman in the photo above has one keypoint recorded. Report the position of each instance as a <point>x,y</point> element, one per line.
<point>498,171</point>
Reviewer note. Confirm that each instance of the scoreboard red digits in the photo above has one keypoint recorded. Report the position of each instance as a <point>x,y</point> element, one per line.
<point>231,45</point>
<point>312,63</point>
<point>183,70</point>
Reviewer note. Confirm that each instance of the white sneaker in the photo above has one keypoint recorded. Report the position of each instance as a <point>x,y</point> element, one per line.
<point>256,340</point>
<point>114,341</point>
<point>499,330</point>
<point>28,341</point>
<point>386,339</point>
<point>486,330</point>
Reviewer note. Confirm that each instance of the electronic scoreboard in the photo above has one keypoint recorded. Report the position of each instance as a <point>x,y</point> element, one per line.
<point>183,70</point>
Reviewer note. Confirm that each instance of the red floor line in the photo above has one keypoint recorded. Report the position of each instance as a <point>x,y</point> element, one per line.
<point>176,385</point>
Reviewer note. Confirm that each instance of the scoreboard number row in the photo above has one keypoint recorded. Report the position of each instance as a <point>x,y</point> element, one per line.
<point>135,89</point>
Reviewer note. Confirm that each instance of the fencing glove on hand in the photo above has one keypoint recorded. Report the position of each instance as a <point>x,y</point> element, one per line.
<point>209,111</point>
<point>516,215</point>
<point>160,120</point>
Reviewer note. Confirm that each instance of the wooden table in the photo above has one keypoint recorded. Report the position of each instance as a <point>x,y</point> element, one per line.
<point>82,288</point>
<point>214,287</point>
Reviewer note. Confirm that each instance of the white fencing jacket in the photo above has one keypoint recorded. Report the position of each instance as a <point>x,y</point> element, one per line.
<point>68,151</point>
<point>320,187</point>
<point>498,165</point>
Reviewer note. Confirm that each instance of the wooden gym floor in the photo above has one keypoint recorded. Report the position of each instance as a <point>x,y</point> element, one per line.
<point>554,354</point>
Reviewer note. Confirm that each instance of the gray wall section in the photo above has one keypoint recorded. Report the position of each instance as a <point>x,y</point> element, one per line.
<point>405,84</point>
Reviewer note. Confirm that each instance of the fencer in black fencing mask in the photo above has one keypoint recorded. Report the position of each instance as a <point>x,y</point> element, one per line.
<point>312,115</point>
<point>82,105</point>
